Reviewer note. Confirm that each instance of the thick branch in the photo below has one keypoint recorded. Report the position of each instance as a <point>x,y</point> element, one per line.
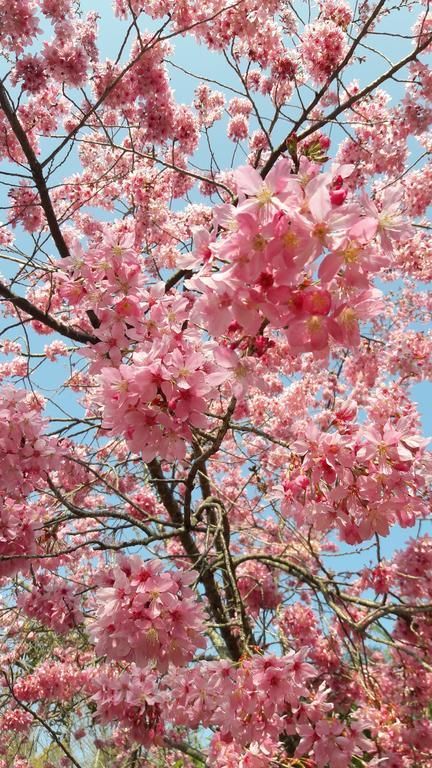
<point>405,611</point>
<point>174,279</point>
<point>198,463</point>
<point>336,598</point>
<point>207,578</point>
<point>36,170</point>
<point>222,541</point>
<point>45,318</point>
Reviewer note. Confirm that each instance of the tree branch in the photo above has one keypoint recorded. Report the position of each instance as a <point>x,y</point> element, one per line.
<point>232,642</point>
<point>45,318</point>
<point>39,180</point>
<point>346,104</point>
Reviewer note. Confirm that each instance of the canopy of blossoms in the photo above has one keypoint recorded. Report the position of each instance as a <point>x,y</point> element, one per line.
<point>215,487</point>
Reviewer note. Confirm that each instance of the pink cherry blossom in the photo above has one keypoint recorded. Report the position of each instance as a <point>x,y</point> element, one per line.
<point>147,615</point>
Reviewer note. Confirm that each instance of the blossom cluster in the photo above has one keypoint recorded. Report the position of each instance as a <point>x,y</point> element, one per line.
<point>26,454</point>
<point>17,537</point>
<point>240,343</point>
<point>270,247</point>
<point>53,681</point>
<point>261,699</point>
<point>251,705</point>
<point>147,614</point>
<point>132,700</point>
<point>358,479</point>
<point>53,603</point>
<point>297,253</point>
<point>155,400</point>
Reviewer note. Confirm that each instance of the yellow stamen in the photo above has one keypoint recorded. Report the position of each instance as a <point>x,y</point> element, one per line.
<point>314,323</point>
<point>264,195</point>
<point>351,254</point>
<point>259,243</point>
<point>347,316</point>
<point>290,239</point>
<point>320,232</point>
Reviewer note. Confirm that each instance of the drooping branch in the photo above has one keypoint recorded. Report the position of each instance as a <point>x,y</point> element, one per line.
<point>43,723</point>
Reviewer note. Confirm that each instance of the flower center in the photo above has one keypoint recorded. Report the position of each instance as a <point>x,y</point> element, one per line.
<point>314,323</point>
<point>264,195</point>
<point>350,254</point>
<point>259,243</point>
<point>232,225</point>
<point>290,239</point>
<point>348,316</point>
<point>385,220</point>
<point>320,232</point>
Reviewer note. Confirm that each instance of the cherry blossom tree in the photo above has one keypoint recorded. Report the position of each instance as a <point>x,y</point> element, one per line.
<point>213,314</point>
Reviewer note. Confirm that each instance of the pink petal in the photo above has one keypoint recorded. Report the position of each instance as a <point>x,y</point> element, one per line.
<point>319,204</point>
<point>248,180</point>
<point>329,267</point>
<point>279,175</point>
<point>365,230</point>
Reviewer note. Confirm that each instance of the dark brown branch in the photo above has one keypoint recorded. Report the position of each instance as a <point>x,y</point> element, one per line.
<point>334,597</point>
<point>232,642</point>
<point>39,180</point>
<point>36,170</point>
<point>45,318</point>
<point>174,279</point>
<point>404,611</point>
<point>78,512</point>
<point>199,463</point>
<point>220,522</point>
